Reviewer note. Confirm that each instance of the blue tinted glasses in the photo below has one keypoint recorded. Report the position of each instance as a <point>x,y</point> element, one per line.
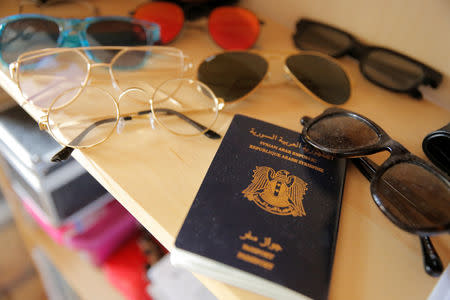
<point>27,32</point>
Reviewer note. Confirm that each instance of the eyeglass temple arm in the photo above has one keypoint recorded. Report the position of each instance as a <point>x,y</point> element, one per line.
<point>431,260</point>
<point>65,152</point>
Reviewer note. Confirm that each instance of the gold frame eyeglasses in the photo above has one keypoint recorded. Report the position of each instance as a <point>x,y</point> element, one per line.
<point>39,73</point>
<point>169,91</point>
<point>87,120</point>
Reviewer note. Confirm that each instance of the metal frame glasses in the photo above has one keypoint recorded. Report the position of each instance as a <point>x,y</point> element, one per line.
<point>43,75</point>
<point>233,75</point>
<point>80,115</point>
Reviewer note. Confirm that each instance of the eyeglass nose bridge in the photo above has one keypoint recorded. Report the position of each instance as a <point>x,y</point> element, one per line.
<point>95,65</point>
<point>107,66</point>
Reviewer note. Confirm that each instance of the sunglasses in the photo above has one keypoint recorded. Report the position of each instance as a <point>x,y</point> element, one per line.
<point>383,67</point>
<point>414,195</point>
<point>432,261</point>
<point>231,27</point>
<point>43,75</point>
<point>233,75</point>
<point>27,32</point>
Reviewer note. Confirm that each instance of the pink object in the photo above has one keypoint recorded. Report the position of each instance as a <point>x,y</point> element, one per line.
<point>56,233</point>
<point>106,235</point>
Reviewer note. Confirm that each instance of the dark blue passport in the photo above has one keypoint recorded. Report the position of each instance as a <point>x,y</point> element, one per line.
<point>266,215</point>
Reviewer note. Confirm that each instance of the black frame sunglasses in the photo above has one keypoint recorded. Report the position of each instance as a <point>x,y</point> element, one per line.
<point>381,66</point>
<point>413,194</point>
<point>431,260</point>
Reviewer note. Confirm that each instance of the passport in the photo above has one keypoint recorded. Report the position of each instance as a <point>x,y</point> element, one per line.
<point>266,215</point>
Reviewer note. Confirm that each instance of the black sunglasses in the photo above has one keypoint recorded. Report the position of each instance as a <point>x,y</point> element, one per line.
<point>414,195</point>
<point>383,67</point>
<point>431,260</point>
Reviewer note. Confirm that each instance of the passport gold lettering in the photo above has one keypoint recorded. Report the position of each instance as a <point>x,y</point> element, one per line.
<point>286,143</point>
<point>255,260</point>
<point>279,193</point>
<point>284,156</point>
<point>272,246</point>
<point>260,252</point>
<point>270,152</point>
<point>248,236</point>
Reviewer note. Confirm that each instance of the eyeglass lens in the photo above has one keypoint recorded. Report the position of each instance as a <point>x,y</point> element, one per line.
<point>179,98</point>
<point>322,77</point>
<point>84,122</point>
<point>231,27</point>
<point>232,75</point>
<point>169,16</point>
<point>414,196</point>
<point>342,133</point>
<point>116,33</point>
<point>322,39</point>
<point>26,35</point>
<point>43,78</point>
<point>391,70</point>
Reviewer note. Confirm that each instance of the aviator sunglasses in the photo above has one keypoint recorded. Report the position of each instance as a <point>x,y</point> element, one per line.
<point>231,27</point>
<point>383,67</point>
<point>28,32</point>
<point>412,194</point>
<point>235,74</point>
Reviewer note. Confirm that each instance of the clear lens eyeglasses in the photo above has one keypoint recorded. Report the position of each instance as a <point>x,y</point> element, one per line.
<point>82,115</point>
<point>45,74</point>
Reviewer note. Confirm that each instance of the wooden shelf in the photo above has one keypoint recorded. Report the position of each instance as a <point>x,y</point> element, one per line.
<point>156,175</point>
<point>85,279</point>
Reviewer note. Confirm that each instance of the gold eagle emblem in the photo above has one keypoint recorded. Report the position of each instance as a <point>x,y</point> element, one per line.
<point>279,192</point>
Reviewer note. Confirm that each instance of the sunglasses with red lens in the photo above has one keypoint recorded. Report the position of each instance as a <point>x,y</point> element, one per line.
<point>231,27</point>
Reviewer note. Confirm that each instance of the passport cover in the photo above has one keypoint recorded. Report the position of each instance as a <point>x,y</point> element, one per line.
<point>269,206</point>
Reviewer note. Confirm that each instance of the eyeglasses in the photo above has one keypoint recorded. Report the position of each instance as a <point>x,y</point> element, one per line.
<point>27,32</point>
<point>184,107</point>
<point>45,74</point>
<point>233,75</point>
<point>432,262</point>
<point>383,67</point>
<point>411,193</point>
<point>231,27</point>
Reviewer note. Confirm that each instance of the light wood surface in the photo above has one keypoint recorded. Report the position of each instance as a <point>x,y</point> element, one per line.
<point>156,175</point>
<point>85,279</point>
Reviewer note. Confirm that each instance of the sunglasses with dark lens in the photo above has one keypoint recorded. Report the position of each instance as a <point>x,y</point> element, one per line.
<point>413,194</point>
<point>383,67</point>
<point>27,32</point>
<point>431,260</point>
<point>231,27</point>
<point>235,74</point>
